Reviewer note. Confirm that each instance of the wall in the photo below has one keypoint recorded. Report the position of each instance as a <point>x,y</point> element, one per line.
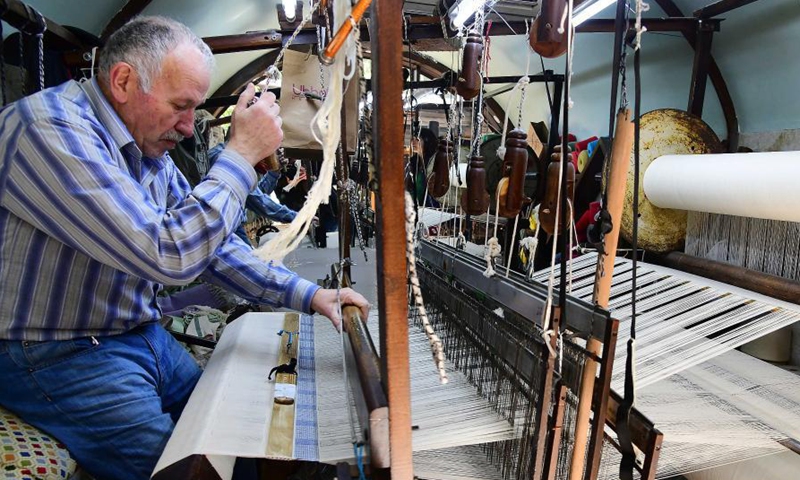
<point>753,50</point>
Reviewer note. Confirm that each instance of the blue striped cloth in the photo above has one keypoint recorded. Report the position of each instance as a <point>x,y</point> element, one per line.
<point>91,230</point>
<point>306,443</point>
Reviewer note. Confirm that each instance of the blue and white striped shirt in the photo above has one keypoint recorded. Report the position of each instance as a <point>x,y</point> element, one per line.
<point>90,229</point>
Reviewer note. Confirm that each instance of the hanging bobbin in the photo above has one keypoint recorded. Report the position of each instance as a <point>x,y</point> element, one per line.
<point>547,38</point>
<point>547,212</point>
<point>439,181</point>
<point>475,201</point>
<point>469,80</point>
<point>511,187</point>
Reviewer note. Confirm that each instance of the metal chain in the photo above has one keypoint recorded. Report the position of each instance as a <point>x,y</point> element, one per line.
<point>623,60</point>
<point>457,143</point>
<point>354,202</point>
<point>272,70</point>
<point>521,103</point>
<point>321,69</point>
<point>477,106</point>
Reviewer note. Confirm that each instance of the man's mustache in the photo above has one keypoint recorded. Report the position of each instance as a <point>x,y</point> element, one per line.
<point>173,136</point>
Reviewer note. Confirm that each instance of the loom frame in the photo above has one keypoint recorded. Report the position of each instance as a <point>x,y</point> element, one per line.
<point>529,300</point>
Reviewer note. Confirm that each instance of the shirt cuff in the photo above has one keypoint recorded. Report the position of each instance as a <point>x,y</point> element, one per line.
<point>233,170</point>
<point>299,293</point>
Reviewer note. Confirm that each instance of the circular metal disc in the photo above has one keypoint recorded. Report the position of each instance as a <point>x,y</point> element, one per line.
<point>664,132</point>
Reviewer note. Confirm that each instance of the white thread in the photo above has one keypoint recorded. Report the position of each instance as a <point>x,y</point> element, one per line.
<point>641,7</point>
<point>433,339</point>
<point>296,179</point>
<point>493,248</point>
<point>513,239</point>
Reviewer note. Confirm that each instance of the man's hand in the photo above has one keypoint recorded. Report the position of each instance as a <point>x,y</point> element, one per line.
<point>324,302</point>
<point>256,127</point>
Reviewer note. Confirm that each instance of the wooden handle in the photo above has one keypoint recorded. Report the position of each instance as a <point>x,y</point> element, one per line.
<point>366,359</point>
<point>341,35</point>
<point>617,179</point>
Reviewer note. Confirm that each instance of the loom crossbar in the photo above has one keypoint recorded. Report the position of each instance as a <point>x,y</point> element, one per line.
<point>524,298</point>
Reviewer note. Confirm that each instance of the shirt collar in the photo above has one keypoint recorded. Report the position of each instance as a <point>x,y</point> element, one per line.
<point>109,118</point>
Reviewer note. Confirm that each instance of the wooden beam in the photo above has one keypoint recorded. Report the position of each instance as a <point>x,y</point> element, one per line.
<point>260,40</point>
<point>19,15</point>
<point>721,7</point>
<point>240,79</point>
<point>702,55</point>
<point>715,74</point>
<point>126,13</point>
<point>387,63</point>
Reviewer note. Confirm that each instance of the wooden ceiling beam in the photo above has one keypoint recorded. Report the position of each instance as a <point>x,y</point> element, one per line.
<point>23,17</point>
<point>720,8</point>
<point>127,12</point>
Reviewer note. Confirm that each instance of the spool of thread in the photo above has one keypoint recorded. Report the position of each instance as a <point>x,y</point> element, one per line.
<point>583,160</point>
<point>584,144</point>
<point>574,157</point>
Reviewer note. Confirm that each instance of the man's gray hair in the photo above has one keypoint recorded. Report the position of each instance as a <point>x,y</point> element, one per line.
<point>143,43</point>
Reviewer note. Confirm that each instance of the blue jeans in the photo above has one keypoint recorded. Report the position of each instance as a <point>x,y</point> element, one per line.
<point>112,401</point>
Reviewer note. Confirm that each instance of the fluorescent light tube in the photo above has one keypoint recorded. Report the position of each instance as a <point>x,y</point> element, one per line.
<point>461,11</point>
<point>590,10</point>
<point>290,9</point>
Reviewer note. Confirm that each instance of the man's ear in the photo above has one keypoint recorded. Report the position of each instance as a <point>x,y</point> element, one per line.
<point>123,82</point>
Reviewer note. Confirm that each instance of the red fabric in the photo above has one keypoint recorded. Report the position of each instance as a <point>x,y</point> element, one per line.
<point>584,144</point>
<point>586,219</point>
<point>574,156</point>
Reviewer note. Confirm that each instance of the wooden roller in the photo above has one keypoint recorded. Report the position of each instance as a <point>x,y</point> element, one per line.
<point>366,384</point>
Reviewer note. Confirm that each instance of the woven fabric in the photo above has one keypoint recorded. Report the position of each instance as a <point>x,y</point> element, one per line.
<point>305,436</point>
<point>27,453</point>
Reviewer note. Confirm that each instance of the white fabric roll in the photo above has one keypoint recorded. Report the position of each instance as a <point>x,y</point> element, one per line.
<point>757,185</point>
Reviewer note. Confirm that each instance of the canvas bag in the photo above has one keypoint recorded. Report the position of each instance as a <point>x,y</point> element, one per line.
<point>301,75</point>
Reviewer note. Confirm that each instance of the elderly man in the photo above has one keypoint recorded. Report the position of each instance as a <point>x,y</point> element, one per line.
<point>95,218</point>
